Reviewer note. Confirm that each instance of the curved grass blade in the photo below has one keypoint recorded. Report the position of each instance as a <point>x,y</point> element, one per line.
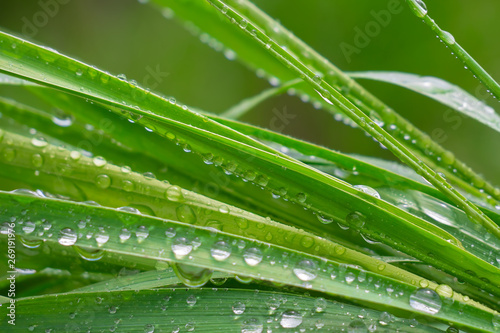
<point>238,110</point>
<point>202,310</point>
<point>441,91</point>
<point>419,8</point>
<point>183,243</point>
<point>253,55</point>
<point>281,174</point>
<point>168,201</point>
<point>333,97</point>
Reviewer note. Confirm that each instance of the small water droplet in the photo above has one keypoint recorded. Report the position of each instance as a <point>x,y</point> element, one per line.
<point>357,326</point>
<point>448,38</point>
<point>238,307</point>
<point>101,237</point>
<point>39,142</point>
<point>368,190</point>
<point>103,181</point>
<point>99,161</point>
<point>174,193</point>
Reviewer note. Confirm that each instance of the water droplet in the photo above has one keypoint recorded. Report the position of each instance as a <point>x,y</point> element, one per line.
<point>444,291</point>
<point>103,181</point>
<point>181,247</point>
<point>368,190</point>
<point>224,209</point>
<point>350,277</point>
<point>252,256</point>
<point>324,218</point>
<point>101,237</point>
<point>149,328</point>
<point>357,326</point>
<point>127,185</point>
<point>174,193</point>
<point>67,237</point>
<point>99,161</point>
<point>252,325</point>
<point>89,254</point>
<point>37,160</point>
<point>320,304</point>
<point>355,219</point>
<point>238,307</point>
<point>290,319</point>
<point>191,300</point>
<point>425,300</point>
<point>186,214</point>
<point>448,38</point>
<point>125,235</point>
<point>39,142</point>
<point>418,7</point>
<point>220,251</point>
<point>306,270</point>
<point>192,276</point>
<point>62,122</point>
<point>75,155</point>
<point>141,233</point>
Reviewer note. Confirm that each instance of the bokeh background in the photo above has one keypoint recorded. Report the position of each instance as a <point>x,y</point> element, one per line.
<point>129,36</point>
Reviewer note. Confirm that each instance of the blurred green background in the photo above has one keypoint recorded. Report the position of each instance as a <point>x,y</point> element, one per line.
<point>129,37</point>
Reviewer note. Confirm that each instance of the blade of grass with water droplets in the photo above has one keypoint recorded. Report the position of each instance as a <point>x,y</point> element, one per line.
<point>145,190</point>
<point>193,245</point>
<point>148,196</point>
<point>441,91</point>
<point>419,8</point>
<point>337,99</point>
<point>253,56</point>
<point>296,177</point>
<point>202,310</point>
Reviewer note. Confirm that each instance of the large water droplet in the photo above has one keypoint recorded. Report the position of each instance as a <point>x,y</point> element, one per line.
<point>192,276</point>
<point>306,270</point>
<point>418,7</point>
<point>290,319</point>
<point>89,254</point>
<point>426,300</point>
<point>39,142</point>
<point>368,190</point>
<point>99,161</point>
<point>220,251</point>
<point>67,237</point>
<point>103,181</point>
<point>174,193</point>
<point>253,256</point>
<point>101,237</point>
<point>448,38</point>
<point>186,214</point>
<point>181,247</point>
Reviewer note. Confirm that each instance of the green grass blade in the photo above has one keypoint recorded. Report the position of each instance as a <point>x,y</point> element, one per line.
<point>441,91</point>
<point>238,110</point>
<point>202,310</point>
<point>333,97</point>
<point>193,245</point>
<point>326,195</point>
<point>419,8</point>
<point>254,56</point>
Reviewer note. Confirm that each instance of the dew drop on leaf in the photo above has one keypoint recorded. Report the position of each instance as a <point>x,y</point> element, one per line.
<point>357,326</point>
<point>290,319</point>
<point>67,237</point>
<point>181,247</point>
<point>99,161</point>
<point>306,270</point>
<point>426,300</point>
<point>220,251</point>
<point>238,307</point>
<point>252,256</point>
<point>368,190</point>
<point>103,181</point>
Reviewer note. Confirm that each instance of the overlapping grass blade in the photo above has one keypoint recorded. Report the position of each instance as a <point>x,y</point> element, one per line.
<point>207,248</point>
<point>202,310</point>
<point>279,172</point>
<point>441,91</point>
<point>205,20</point>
